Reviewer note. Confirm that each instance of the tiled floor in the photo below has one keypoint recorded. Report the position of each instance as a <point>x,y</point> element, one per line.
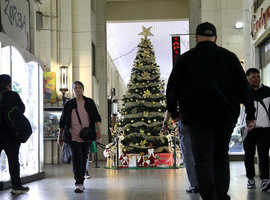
<point>142,184</point>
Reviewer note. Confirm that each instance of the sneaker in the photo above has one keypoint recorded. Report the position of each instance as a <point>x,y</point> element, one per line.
<point>193,189</point>
<point>265,185</point>
<point>78,188</point>
<point>87,175</point>
<point>251,184</point>
<point>19,189</point>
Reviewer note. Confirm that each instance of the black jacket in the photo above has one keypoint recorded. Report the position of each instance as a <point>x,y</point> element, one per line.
<point>90,108</point>
<point>10,99</point>
<point>209,84</point>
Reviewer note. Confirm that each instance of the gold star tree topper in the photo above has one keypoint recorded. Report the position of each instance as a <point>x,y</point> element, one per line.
<point>146,32</point>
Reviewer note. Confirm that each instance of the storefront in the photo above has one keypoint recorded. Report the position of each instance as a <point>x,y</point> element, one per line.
<point>260,34</point>
<point>27,80</point>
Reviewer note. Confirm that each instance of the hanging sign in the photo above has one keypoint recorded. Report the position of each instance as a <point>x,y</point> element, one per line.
<point>15,21</point>
<point>175,48</point>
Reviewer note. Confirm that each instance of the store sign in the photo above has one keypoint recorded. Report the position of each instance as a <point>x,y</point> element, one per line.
<point>260,23</point>
<point>15,21</point>
<point>175,48</point>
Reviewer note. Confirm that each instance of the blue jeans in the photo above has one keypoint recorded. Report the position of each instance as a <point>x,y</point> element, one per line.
<point>186,148</point>
<point>87,163</point>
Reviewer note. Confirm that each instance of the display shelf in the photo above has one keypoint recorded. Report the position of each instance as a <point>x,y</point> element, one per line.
<point>51,122</point>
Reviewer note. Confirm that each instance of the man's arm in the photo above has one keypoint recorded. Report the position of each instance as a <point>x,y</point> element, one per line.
<point>172,91</point>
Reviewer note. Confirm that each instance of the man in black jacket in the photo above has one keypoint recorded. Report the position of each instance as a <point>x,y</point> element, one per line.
<point>259,136</point>
<point>209,83</point>
<point>8,140</point>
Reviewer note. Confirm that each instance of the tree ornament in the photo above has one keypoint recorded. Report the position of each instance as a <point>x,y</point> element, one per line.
<point>142,119</point>
<point>146,32</point>
<point>132,121</point>
<point>148,134</point>
<point>145,113</point>
<point>146,94</point>
<point>128,129</point>
<point>137,144</point>
<point>136,90</point>
<point>141,131</point>
<point>134,111</point>
<point>159,110</point>
<point>153,102</point>
<point>146,75</point>
<point>149,121</point>
<point>142,143</point>
<point>155,120</point>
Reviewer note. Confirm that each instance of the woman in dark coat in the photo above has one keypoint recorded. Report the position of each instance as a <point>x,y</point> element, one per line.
<point>89,116</point>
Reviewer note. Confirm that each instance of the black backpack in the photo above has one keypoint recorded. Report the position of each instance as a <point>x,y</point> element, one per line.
<point>15,121</point>
<point>18,123</point>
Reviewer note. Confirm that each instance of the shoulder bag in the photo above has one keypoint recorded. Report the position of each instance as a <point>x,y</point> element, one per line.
<point>88,134</point>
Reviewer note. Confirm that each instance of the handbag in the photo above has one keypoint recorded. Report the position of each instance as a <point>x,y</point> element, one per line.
<point>87,133</point>
<point>66,154</point>
<point>19,124</point>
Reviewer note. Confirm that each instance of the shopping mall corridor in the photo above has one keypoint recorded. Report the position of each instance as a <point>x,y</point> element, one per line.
<point>142,184</point>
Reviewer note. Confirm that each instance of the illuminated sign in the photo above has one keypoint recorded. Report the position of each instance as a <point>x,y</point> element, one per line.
<point>175,48</point>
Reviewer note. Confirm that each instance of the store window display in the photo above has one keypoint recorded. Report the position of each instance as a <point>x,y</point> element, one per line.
<point>26,82</point>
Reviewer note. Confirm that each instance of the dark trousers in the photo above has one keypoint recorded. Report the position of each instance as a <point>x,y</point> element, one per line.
<point>11,146</point>
<point>260,138</point>
<point>79,157</point>
<point>210,144</point>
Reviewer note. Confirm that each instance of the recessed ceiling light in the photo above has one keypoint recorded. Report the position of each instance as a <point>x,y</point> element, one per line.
<point>239,25</point>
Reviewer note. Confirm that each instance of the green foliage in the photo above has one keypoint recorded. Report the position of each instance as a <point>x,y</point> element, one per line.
<point>144,103</point>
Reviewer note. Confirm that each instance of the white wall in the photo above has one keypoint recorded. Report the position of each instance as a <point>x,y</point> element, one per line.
<point>115,81</point>
<point>224,14</point>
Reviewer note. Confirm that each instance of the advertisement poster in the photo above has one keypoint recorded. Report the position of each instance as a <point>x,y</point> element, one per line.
<point>49,87</point>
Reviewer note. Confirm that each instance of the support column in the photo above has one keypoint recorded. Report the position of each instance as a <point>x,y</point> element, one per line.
<point>102,71</point>
<point>195,18</point>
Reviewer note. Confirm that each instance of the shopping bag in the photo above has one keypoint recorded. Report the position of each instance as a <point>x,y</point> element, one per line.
<point>93,147</point>
<point>66,154</point>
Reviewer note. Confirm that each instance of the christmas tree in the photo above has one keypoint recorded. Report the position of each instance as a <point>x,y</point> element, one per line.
<point>144,103</point>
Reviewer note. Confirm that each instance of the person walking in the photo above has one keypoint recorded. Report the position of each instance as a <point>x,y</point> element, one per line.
<point>209,84</point>
<point>9,141</point>
<point>259,136</point>
<point>187,154</point>
<point>88,113</point>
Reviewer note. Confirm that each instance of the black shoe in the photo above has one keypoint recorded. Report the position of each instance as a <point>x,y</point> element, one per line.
<point>193,189</point>
<point>19,189</point>
<point>265,185</point>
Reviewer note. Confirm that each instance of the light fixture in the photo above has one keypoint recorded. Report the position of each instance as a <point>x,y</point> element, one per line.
<point>239,25</point>
<point>114,107</point>
<point>63,82</point>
